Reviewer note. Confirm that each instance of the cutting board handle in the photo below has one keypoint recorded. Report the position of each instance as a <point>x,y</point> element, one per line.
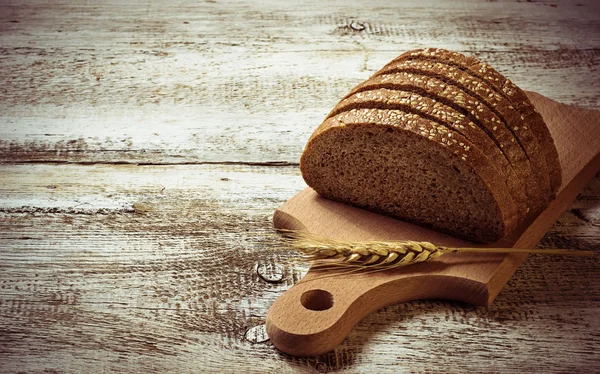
<point>314,316</point>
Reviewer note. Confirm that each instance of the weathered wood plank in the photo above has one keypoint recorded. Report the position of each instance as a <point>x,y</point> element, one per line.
<point>114,267</point>
<point>209,82</point>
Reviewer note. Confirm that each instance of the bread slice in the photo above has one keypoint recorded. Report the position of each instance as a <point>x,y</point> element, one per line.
<point>510,91</point>
<point>401,164</point>
<point>438,112</point>
<point>477,113</point>
<point>513,121</point>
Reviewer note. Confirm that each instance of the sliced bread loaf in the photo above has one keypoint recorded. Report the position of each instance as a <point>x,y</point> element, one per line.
<point>440,113</point>
<point>510,91</point>
<point>404,165</point>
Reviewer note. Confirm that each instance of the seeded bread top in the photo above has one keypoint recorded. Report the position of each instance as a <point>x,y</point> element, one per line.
<point>510,91</point>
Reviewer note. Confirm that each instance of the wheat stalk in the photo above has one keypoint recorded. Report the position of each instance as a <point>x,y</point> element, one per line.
<point>386,254</point>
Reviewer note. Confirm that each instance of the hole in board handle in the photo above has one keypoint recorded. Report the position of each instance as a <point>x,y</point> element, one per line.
<point>317,300</point>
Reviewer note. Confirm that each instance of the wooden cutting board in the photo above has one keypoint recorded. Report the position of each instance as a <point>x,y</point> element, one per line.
<point>316,314</point>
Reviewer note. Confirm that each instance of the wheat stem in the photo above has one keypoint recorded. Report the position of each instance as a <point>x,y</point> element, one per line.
<point>325,252</point>
<point>546,251</point>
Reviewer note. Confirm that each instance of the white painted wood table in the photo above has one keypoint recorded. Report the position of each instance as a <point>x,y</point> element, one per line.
<point>144,147</point>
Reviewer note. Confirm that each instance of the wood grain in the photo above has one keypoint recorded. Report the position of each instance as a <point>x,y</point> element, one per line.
<point>208,82</point>
<point>117,264</point>
<point>153,267</point>
<point>155,262</point>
